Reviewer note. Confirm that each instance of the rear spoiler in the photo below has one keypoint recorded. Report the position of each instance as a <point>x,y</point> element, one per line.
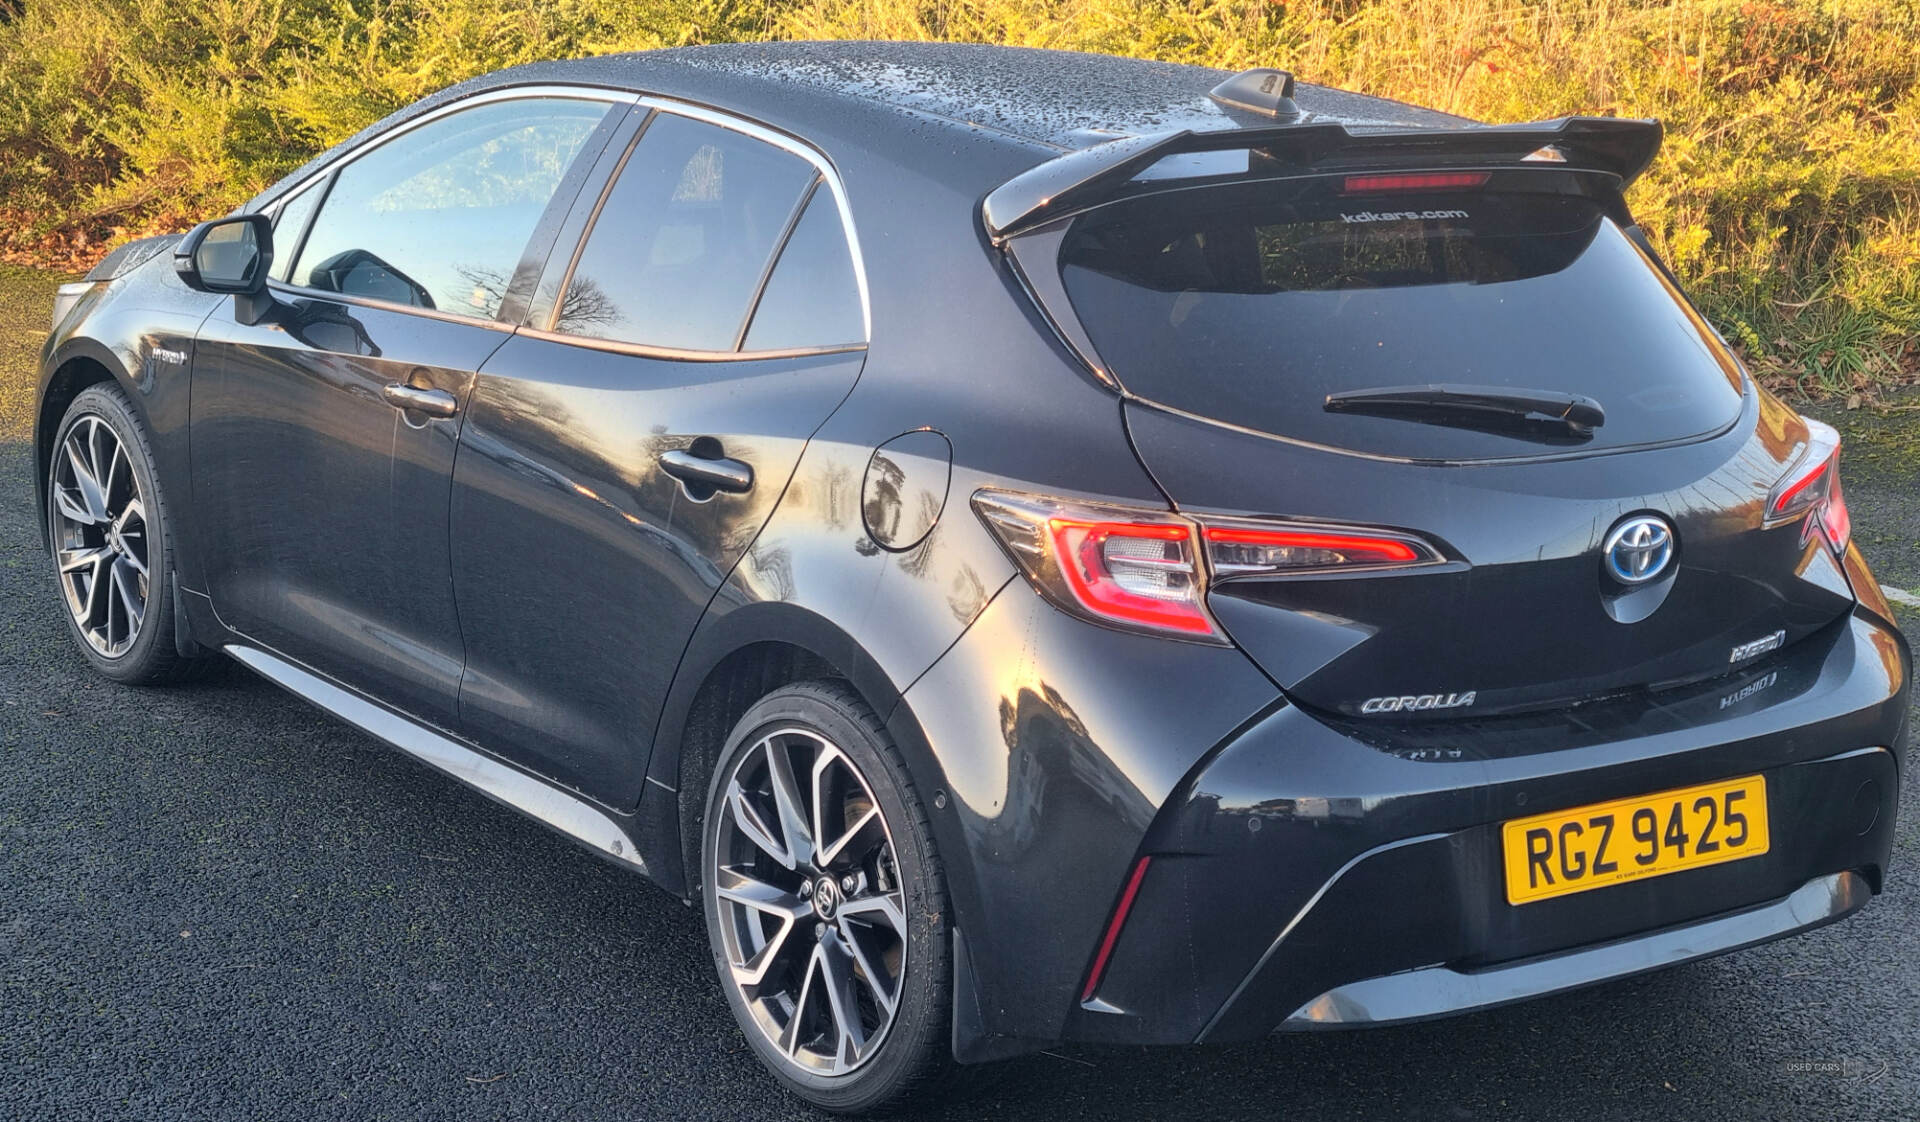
<point>1613,145</point>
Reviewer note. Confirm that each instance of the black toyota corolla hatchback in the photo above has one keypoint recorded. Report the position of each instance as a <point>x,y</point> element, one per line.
<point>1041,547</point>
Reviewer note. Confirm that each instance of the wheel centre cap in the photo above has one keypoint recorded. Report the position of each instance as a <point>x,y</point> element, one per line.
<point>826,897</point>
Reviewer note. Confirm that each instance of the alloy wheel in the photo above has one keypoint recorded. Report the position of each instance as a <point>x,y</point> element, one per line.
<point>812,913</point>
<point>99,523</point>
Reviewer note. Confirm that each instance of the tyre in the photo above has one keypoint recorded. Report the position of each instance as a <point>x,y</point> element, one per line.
<point>112,557</point>
<point>825,903</point>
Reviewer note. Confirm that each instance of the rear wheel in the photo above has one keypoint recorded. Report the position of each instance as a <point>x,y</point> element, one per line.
<point>825,903</point>
<point>112,557</point>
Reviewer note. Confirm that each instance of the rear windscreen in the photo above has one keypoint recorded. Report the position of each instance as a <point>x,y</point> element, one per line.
<point>1251,303</point>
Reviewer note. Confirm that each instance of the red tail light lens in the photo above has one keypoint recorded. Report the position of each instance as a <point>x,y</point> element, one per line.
<point>1144,570</point>
<point>1811,489</point>
<point>1238,551</point>
<point>1138,572</point>
<point>1415,181</point>
<point>1835,521</point>
<point>1117,566</point>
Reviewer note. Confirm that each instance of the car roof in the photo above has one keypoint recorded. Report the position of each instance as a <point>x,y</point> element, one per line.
<point>970,116</point>
<point>1058,99</point>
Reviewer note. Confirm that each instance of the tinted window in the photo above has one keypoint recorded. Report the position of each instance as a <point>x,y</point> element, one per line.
<point>1252,303</point>
<point>683,238</point>
<point>437,217</point>
<point>289,222</point>
<point>812,299</point>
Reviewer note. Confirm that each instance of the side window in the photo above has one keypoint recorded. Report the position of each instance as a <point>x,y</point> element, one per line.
<point>812,299</point>
<point>438,216</point>
<point>683,238</point>
<point>289,222</point>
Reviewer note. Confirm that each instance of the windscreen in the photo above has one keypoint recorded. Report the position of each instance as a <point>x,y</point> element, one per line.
<point>1252,303</point>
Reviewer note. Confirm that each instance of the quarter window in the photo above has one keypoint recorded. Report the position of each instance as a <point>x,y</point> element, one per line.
<point>682,240</point>
<point>289,222</point>
<point>438,217</point>
<point>812,299</point>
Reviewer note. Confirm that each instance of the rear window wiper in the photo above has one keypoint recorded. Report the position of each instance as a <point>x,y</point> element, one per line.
<point>1575,413</point>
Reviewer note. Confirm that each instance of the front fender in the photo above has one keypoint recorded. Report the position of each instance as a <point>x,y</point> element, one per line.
<point>139,329</point>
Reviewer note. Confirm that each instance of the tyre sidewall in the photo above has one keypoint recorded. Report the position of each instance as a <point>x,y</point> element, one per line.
<point>920,1036</point>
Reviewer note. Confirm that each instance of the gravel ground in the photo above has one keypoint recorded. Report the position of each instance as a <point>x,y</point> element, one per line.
<point>217,903</point>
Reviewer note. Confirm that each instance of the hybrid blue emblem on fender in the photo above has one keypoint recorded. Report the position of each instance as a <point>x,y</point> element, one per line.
<point>1639,549</point>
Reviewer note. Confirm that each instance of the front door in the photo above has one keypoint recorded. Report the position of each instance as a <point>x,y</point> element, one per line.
<point>623,449</point>
<point>323,436</point>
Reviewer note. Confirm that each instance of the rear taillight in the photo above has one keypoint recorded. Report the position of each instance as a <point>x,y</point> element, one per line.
<point>1810,491</point>
<point>1148,570</point>
<point>1130,568</point>
<point>1242,550</point>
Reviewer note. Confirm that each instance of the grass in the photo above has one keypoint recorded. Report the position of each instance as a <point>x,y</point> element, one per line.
<point>1787,197</point>
<point>26,302</point>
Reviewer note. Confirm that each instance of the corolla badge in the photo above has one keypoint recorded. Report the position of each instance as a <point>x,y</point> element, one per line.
<point>1639,549</point>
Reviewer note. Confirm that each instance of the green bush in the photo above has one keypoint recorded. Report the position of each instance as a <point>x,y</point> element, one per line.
<point>1788,196</point>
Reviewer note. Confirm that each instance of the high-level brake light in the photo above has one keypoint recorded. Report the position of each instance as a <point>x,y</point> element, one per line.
<point>1415,181</point>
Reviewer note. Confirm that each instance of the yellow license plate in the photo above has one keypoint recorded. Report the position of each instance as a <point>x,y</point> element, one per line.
<point>1629,839</point>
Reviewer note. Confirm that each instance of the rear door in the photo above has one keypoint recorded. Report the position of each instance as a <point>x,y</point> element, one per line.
<point>1238,314</point>
<point>624,448</point>
<point>323,436</point>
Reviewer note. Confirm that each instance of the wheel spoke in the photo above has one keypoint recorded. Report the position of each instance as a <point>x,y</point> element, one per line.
<point>790,1035</point>
<point>113,608</point>
<point>746,819</point>
<point>98,457</point>
<point>73,560</point>
<point>69,509</point>
<point>867,826</point>
<point>113,471</point>
<point>850,1034</point>
<point>883,989</point>
<point>126,583</point>
<point>880,910</point>
<point>787,798</point>
<point>749,891</point>
<point>94,508</point>
<point>97,603</point>
<point>739,888</point>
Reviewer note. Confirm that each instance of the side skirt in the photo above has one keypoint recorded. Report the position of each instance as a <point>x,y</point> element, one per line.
<point>569,814</point>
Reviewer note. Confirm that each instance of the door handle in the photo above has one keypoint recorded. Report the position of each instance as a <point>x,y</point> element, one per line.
<point>434,403</point>
<point>698,471</point>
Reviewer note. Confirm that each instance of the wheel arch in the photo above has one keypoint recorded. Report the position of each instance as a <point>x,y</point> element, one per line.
<point>735,659</point>
<point>78,366</point>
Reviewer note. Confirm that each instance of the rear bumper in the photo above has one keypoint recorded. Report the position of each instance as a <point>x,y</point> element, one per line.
<point>1438,991</point>
<point>1316,873</point>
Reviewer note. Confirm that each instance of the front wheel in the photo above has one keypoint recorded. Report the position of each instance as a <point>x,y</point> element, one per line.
<point>112,557</point>
<point>825,902</point>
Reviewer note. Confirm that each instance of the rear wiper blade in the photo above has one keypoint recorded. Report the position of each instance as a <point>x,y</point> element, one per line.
<point>1577,413</point>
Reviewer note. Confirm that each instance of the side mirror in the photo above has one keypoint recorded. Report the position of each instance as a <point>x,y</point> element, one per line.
<point>230,255</point>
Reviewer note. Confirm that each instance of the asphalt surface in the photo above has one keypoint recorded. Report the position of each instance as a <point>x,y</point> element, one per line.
<point>218,903</point>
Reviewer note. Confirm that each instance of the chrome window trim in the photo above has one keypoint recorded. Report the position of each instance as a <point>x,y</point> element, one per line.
<point>489,97</point>
<point>680,354</point>
<point>290,291</point>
